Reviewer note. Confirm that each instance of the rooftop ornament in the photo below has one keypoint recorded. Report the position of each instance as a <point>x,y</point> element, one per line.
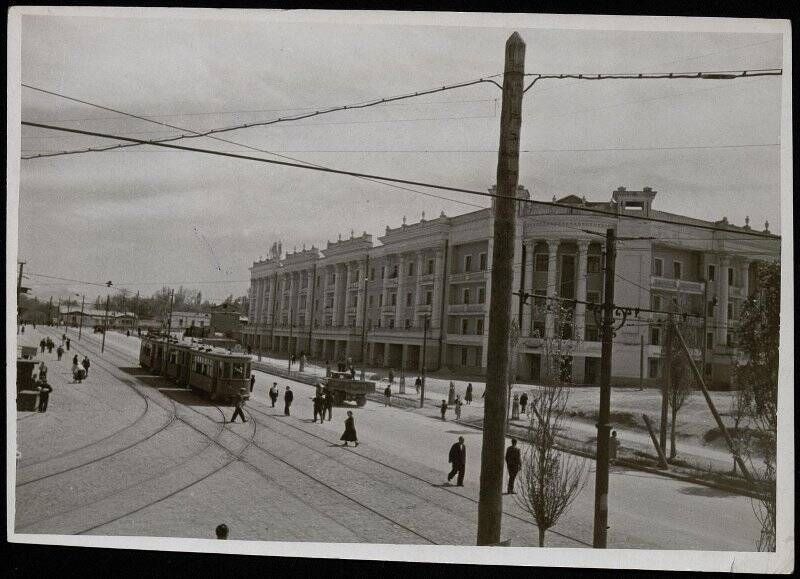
<point>404,220</point>
<point>423,217</point>
<point>766,227</point>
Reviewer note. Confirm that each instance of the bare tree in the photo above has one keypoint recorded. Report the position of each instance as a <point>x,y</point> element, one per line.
<point>549,480</point>
<point>682,380</point>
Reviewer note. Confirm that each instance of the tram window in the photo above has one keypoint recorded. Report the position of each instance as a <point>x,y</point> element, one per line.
<point>238,371</point>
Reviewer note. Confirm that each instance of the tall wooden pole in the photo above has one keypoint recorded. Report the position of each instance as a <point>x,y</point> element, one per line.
<point>603,421</point>
<point>425,323</point>
<point>490,502</point>
<point>365,275</point>
<point>105,326</point>
<point>666,384</point>
<point>80,327</point>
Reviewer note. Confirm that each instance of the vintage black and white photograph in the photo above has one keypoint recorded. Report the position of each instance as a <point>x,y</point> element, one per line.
<point>402,286</point>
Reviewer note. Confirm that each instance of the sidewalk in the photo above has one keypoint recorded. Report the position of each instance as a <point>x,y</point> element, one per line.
<point>578,434</point>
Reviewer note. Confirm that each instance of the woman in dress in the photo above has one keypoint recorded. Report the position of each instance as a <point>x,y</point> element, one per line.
<point>349,434</point>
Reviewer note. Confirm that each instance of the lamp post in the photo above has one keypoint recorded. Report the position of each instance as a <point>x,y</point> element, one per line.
<point>105,329</point>
<point>80,322</point>
<point>426,320</point>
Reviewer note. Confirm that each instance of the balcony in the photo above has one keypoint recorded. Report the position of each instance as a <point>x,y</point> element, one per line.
<point>354,285</point>
<point>415,333</point>
<point>423,309</point>
<point>468,277</point>
<point>388,309</point>
<point>427,278</point>
<point>466,309</point>
<point>676,285</point>
<point>465,339</point>
<point>736,292</point>
<point>391,282</point>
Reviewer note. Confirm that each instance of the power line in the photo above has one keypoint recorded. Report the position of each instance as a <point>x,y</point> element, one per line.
<point>269,122</point>
<point>572,208</point>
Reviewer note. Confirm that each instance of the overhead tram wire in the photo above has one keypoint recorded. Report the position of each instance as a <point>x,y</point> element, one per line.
<point>393,180</point>
<point>355,106</point>
<point>223,140</point>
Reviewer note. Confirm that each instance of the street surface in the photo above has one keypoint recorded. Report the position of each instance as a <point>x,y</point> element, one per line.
<point>128,453</point>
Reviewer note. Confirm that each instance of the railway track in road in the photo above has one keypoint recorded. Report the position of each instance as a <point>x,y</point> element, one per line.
<point>249,442</point>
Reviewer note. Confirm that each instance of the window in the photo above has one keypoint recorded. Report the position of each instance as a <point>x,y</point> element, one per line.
<point>538,329</point>
<point>730,276</point>
<point>372,274</point>
<point>655,336</point>
<point>711,272</point>
<point>593,264</point>
<point>355,300</point>
<point>394,299</point>
<point>463,356</point>
<point>541,262</point>
<point>383,273</point>
<point>380,301</point>
<point>593,297</point>
<point>369,301</point>
<point>657,303</point>
<point>707,369</point>
<point>391,323</point>
<point>466,296</point>
<point>653,368</point>
<point>333,278</point>
<point>467,263</point>
<point>430,266</point>
<point>394,271</point>
<point>428,297</point>
<point>408,323</point>
<point>238,371</point>
<point>539,300</point>
<point>729,339</point>
<point>658,267</point>
<point>592,334</point>
<point>379,322</point>
<point>465,326</point>
<point>730,310</point>
<point>409,297</point>
<point>710,340</point>
<point>301,320</point>
<point>411,269</point>
<point>677,269</point>
<point>481,295</point>
<point>710,309</point>
<point>482,262</point>
<point>202,323</point>
<point>479,326</point>
<point>318,278</point>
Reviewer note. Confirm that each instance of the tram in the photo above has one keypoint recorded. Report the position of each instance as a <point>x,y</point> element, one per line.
<point>219,373</point>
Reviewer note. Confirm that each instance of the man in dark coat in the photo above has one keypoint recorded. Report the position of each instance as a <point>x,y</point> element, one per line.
<point>418,384</point>
<point>458,458</point>
<point>287,400</point>
<point>273,393</point>
<point>387,396</point>
<point>86,363</point>
<point>329,403</point>
<point>239,406</point>
<point>252,381</point>
<point>68,343</point>
<point>523,402</point>
<point>42,345</point>
<point>75,360</point>
<point>44,396</point>
<point>59,352</point>
<point>513,464</point>
<point>319,409</point>
<point>349,434</point>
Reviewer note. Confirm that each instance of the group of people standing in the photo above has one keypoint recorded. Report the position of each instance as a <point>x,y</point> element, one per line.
<point>44,388</point>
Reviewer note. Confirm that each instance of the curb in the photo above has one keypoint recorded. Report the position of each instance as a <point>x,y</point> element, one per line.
<point>264,367</point>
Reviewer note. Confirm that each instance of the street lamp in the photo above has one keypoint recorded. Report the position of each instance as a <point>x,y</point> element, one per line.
<point>105,329</point>
<point>426,320</point>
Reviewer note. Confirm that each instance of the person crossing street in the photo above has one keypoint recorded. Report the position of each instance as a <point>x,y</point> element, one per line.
<point>458,458</point>
<point>240,400</point>
<point>329,403</point>
<point>44,396</point>
<point>513,464</point>
<point>288,397</point>
<point>273,393</point>
<point>349,434</point>
<point>86,363</point>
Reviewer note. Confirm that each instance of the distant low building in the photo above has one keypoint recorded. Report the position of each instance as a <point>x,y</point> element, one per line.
<point>184,320</point>
<point>90,317</point>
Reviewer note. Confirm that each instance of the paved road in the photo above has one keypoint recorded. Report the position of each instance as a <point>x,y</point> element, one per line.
<point>279,478</point>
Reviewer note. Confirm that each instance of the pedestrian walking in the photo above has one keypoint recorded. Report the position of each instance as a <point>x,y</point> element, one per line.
<point>468,394</point>
<point>44,396</point>
<point>319,408</point>
<point>86,364</point>
<point>458,404</point>
<point>50,346</point>
<point>75,360</point>
<point>443,407</point>
<point>329,403</point>
<point>288,397</point>
<point>273,393</point>
<point>513,464</point>
<point>523,402</point>
<point>458,458</point>
<point>42,345</point>
<point>418,384</point>
<point>23,328</point>
<point>387,396</point>
<point>77,372</point>
<point>68,343</point>
<point>63,337</point>
<point>451,393</point>
<point>349,434</point>
<point>613,446</point>
<point>240,399</point>
<point>222,531</point>
<point>59,352</point>
<point>42,372</point>
<point>252,381</point>
<point>391,376</point>
<point>128,333</point>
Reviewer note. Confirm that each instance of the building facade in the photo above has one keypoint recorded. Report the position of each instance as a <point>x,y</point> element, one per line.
<point>429,283</point>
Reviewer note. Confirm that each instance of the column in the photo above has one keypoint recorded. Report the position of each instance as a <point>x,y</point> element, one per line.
<point>401,294</point>
<point>745,263</point>
<point>552,289</point>
<point>489,266</point>
<point>362,294</point>
<point>337,290</point>
<point>419,299</point>
<point>527,309</point>
<point>438,289</point>
<point>721,318</point>
<point>387,266</point>
<point>580,294</point>
<point>309,296</point>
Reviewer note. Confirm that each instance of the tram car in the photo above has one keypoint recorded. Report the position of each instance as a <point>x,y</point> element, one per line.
<point>217,372</point>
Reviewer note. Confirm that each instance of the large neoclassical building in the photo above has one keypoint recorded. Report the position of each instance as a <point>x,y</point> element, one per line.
<point>359,299</point>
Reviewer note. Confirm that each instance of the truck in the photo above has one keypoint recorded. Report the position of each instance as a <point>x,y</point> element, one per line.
<point>346,388</point>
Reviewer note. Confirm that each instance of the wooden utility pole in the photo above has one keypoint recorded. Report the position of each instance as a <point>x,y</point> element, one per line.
<point>365,275</point>
<point>80,326</point>
<point>425,324</point>
<point>50,311</point>
<point>641,362</point>
<point>603,420</point>
<point>490,502</point>
<point>137,309</point>
<point>105,326</point>
<point>666,383</point>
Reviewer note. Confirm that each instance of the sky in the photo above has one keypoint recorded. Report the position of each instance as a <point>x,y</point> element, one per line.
<point>146,217</point>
